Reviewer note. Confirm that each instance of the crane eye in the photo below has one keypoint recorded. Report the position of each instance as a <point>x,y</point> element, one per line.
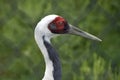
<point>60,23</point>
<point>52,26</point>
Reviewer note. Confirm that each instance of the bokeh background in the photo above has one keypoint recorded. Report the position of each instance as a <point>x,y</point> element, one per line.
<point>82,59</point>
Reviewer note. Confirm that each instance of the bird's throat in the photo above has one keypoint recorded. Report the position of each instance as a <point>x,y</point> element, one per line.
<point>54,59</point>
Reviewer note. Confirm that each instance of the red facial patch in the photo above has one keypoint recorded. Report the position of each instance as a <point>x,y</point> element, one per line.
<point>59,21</point>
<point>58,25</point>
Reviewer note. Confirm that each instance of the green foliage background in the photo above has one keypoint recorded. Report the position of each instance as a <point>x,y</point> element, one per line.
<point>82,59</point>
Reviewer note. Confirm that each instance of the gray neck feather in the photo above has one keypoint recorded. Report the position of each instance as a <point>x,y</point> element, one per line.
<point>54,58</point>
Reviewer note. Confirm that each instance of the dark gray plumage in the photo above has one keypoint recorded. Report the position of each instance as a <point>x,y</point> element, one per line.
<point>55,59</point>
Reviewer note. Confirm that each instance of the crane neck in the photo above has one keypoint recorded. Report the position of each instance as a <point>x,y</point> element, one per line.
<point>53,66</point>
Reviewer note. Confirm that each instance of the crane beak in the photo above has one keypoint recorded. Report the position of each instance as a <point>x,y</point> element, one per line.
<point>79,32</point>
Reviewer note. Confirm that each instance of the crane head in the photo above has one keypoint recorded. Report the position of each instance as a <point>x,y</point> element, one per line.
<point>53,25</point>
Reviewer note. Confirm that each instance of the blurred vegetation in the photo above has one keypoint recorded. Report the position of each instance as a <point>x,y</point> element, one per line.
<point>82,59</point>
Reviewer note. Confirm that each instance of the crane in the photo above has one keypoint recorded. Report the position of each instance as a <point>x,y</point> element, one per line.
<point>48,27</point>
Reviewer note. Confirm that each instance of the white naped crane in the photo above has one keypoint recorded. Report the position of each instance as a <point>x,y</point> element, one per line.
<point>47,28</point>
